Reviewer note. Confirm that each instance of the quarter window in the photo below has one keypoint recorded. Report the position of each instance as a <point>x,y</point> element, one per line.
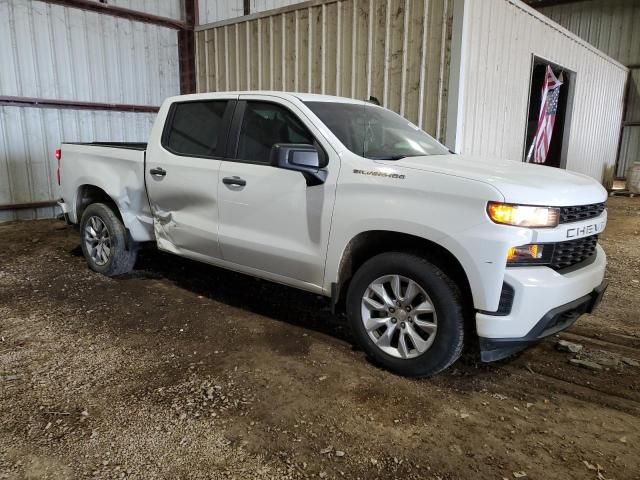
<point>265,124</point>
<point>196,128</point>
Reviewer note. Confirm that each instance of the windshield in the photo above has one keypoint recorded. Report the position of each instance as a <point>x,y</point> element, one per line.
<point>375,132</point>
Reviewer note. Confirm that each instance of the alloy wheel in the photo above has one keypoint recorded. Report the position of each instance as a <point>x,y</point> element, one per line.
<point>97,240</point>
<point>399,316</point>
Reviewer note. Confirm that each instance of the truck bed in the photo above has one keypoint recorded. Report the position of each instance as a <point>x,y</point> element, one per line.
<point>127,145</point>
<point>116,168</point>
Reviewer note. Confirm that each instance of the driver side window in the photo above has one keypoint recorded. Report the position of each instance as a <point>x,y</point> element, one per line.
<point>265,124</point>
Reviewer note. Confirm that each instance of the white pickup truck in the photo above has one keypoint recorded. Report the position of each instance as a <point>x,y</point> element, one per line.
<point>418,246</point>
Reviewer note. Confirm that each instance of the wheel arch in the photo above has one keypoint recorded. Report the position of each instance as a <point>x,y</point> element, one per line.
<point>367,244</point>
<point>88,194</point>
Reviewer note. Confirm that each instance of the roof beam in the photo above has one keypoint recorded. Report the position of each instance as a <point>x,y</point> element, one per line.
<point>74,105</point>
<point>549,3</point>
<point>107,9</point>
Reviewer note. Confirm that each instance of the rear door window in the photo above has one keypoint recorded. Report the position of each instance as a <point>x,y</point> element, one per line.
<point>197,128</point>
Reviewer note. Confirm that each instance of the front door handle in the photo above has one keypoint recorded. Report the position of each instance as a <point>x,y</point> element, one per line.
<point>234,181</point>
<point>158,172</point>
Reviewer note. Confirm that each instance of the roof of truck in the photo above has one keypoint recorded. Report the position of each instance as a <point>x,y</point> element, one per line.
<point>305,97</point>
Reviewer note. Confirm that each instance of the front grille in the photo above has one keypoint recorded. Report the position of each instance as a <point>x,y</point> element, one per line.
<point>580,212</point>
<point>566,254</point>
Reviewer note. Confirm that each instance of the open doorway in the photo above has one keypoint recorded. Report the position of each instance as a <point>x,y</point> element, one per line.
<point>557,148</point>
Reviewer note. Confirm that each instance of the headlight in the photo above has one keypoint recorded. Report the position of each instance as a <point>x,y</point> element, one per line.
<point>523,215</point>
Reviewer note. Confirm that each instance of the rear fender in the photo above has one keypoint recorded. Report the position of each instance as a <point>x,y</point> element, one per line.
<point>126,197</point>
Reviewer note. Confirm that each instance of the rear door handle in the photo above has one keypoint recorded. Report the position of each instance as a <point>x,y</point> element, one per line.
<point>234,181</point>
<point>158,172</point>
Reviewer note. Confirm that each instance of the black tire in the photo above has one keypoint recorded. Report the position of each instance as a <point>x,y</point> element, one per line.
<point>123,251</point>
<point>447,301</point>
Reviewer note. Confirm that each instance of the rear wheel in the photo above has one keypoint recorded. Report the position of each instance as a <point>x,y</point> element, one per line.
<point>407,314</point>
<point>105,242</point>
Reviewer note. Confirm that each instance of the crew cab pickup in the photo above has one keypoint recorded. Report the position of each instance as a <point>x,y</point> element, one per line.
<point>419,247</point>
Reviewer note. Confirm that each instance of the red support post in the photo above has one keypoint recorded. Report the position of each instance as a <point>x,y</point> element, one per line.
<point>187,49</point>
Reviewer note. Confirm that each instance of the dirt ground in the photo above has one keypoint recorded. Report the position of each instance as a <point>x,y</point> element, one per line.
<point>182,370</point>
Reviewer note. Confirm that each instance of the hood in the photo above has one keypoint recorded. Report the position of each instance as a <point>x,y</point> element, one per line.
<point>518,182</point>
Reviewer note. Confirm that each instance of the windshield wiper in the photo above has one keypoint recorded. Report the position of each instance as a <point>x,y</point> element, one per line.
<point>387,157</point>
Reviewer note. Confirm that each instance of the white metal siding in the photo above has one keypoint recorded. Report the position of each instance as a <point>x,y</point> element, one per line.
<point>63,53</point>
<point>613,26</point>
<point>498,44</point>
<point>162,8</point>
<point>29,136</point>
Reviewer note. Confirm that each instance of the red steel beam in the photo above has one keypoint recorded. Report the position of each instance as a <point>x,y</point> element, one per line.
<point>74,105</point>
<point>187,49</point>
<point>121,12</point>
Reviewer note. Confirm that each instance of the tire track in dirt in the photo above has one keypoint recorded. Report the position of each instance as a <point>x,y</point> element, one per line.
<point>584,393</point>
<point>571,335</point>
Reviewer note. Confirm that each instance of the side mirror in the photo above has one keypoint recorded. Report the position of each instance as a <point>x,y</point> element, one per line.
<point>302,158</point>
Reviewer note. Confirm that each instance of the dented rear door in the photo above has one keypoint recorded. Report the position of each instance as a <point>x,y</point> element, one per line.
<point>181,175</point>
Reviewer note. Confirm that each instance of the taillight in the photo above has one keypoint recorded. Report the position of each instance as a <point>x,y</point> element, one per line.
<point>58,156</point>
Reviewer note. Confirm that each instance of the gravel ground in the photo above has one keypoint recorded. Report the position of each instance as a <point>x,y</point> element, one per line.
<point>182,370</point>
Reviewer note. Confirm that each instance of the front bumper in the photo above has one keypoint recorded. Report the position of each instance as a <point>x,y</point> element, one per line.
<point>552,322</point>
<point>545,302</point>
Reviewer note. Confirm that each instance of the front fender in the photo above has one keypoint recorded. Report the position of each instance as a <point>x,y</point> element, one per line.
<point>446,210</point>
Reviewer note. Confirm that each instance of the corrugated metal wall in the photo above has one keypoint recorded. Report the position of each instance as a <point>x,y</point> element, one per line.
<point>28,137</point>
<point>62,53</point>
<point>613,26</point>
<point>264,5</point>
<point>499,40</point>
<point>395,50</point>
<point>215,10</point>
<point>162,8</point>
<point>210,11</point>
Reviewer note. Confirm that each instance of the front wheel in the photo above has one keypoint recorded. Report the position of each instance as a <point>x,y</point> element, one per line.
<point>105,241</point>
<point>406,314</point>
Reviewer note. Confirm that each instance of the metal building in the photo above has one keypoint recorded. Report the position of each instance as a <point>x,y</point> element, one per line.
<point>461,69</point>
<point>501,40</point>
<point>82,72</point>
<point>612,26</point>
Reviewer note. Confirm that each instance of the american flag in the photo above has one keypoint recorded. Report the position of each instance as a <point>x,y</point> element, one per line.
<point>548,107</point>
